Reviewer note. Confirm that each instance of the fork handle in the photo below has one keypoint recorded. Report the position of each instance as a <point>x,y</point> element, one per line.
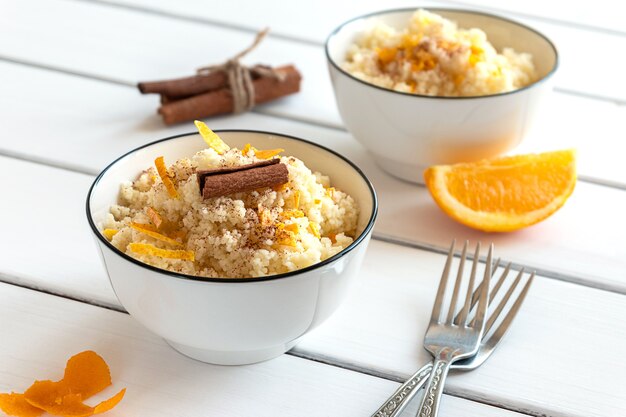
<point>402,396</point>
<point>429,407</point>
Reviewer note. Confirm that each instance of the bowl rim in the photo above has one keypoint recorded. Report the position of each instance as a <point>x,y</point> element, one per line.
<point>441,9</point>
<point>356,242</point>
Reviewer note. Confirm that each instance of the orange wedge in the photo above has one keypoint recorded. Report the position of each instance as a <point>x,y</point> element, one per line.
<point>504,194</point>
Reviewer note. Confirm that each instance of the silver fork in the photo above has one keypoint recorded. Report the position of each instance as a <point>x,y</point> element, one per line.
<point>453,337</point>
<point>403,395</point>
<point>394,405</point>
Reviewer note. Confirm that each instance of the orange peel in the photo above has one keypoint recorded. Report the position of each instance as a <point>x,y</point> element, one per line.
<point>314,228</point>
<point>267,154</point>
<point>165,177</point>
<point>15,404</point>
<point>145,229</point>
<point>147,249</point>
<point>57,398</point>
<point>291,213</point>
<point>109,233</point>
<point>155,217</point>
<point>86,374</point>
<point>211,138</point>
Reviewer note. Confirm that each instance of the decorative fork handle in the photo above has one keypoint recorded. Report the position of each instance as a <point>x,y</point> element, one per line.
<point>429,406</point>
<point>396,403</point>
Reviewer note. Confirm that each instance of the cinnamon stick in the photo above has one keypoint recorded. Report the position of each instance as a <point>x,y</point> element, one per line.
<point>221,101</point>
<point>203,173</point>
<point>187,86</point>
<point>246,178</point>
<point>190,86</point>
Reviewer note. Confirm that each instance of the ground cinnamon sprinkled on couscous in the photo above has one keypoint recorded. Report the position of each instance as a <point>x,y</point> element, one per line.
<point>433,57</point>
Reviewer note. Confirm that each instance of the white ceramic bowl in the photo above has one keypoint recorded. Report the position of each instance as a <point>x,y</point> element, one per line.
<point>232,321</point>
<point>406,133</point>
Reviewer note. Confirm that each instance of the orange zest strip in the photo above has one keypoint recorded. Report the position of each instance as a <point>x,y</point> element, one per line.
<point>211,138</point>
<point>147,249</point>
<point>162,170</point>
<point>246,149</point>
<point>109,233</point>
<point>147,231</point>
<point>155,217</point>
<point>293,228</point>
<point>267,154</point>
<point>314,228</point>
<point>288,214</point>
<point>15,404</point>
<point>296,199</point>
<point>332,237</point>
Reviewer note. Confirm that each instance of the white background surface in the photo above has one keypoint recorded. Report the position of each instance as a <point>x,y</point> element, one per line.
<point>68,107</point>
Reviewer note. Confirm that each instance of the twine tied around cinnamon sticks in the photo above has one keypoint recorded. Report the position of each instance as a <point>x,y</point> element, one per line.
<point>239,76</point>
<point>225,88</point>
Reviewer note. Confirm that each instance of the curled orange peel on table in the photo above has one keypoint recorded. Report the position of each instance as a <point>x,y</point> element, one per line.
<point>85,374</point>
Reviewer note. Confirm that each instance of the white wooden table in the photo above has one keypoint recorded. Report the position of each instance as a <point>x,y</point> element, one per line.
<point>68,106</point>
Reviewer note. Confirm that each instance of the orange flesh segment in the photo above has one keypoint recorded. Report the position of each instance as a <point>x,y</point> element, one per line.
<point>211,138</point>
<point>167,182</point>
<point>267,154</point>
<point>15,404</point>
<point>147,249</point>
<point>145,229</point>
<point>504,194</point>
<point>154,216</point>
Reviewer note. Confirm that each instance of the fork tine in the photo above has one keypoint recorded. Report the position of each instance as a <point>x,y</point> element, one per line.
<point>462,317</point>
<point>508,319</point>
<point>495,289</point>
<point>483,301</point>
<point>494,315</point>
<point>457,285</point>
<point>436,314</point>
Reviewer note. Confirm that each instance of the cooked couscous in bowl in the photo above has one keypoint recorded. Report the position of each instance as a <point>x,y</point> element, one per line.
<point>433,56</point>
<point>163,217</point>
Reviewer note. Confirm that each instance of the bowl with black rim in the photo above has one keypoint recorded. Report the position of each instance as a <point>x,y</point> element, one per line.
<point>406,132</point>
<point>232,320</point>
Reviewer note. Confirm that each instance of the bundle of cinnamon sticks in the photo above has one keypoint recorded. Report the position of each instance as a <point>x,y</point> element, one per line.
<point>205,95</point>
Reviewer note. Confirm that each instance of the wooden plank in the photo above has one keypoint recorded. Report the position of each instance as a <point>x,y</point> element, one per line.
<point>321,17</point>
<point>161,382</point>
<point>577,243</point>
